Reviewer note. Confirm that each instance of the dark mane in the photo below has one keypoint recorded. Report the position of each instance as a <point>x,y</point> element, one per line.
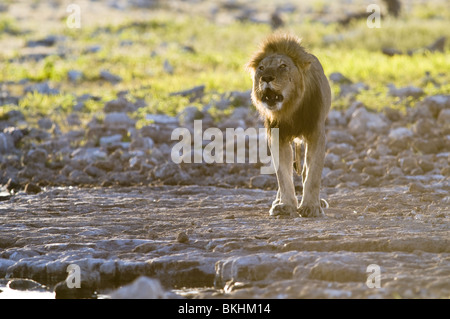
<point>305,117</point>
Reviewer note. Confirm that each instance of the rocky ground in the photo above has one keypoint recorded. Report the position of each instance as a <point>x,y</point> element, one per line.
<point>106,196</point>
<point>123,209</point>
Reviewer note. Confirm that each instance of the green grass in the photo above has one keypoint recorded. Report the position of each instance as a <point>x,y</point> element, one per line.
<point>220,52</point>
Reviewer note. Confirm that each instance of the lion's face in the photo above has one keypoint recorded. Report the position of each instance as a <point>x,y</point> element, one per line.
<point>275,80</point>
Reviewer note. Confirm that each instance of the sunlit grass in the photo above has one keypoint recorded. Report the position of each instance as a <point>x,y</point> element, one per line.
<point>200,52</point>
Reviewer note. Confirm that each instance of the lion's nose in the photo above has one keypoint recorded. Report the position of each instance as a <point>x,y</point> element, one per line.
<point>268,78</point>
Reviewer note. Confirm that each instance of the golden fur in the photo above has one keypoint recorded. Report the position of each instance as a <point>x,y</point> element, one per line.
<point>291,93</point>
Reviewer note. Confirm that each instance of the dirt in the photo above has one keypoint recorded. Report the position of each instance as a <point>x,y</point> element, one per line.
<point>207,242</point>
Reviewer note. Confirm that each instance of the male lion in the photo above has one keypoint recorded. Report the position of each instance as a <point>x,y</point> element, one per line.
<point>291,93</point>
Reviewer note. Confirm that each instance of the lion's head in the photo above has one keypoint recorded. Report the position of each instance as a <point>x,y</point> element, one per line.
<point>279,75</point>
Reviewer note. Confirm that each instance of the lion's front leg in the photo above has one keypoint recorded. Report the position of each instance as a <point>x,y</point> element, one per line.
<point>310,205</point>
<point>286,201</point>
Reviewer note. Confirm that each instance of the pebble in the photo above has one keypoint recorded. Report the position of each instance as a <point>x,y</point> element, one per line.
<point>31,188</point>
<point>182,238</point>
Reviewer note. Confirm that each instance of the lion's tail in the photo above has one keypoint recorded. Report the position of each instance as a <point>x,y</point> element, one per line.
<point>298,156</point>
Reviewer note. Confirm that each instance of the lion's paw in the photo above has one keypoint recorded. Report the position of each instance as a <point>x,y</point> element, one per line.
<point>283,210</point>
<point>310,211</point>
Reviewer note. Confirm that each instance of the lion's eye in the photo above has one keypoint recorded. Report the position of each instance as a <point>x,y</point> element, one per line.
<point>261,67</point>
<point>283,66</point>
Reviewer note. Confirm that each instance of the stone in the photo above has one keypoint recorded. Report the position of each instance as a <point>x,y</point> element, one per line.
<point>423,127</point>
<point>86,291</point>
<point>6,143</point>
<point>363,121</point>
<point>336,118</point>
<point>73,119</point>
<point>141,288</point>
<point>25,284</point>
<point>106,141</point>
<point>427,146</point>
<point>263,181</point>
<point>182,238</point>
<point>116,120</point>
<point>36,156</point>
<point>45,123</point>
<point>42,88</point>
<point>194,93</point>
<point>47,42</point>
<point>168,68</point>
<point>444,118</point>
<point>108,76</point>
<point>400,133</point>
<point>74,75</point>
<point>120,105</point>
<point>188,115</point>
<point>162,119</point>
<point>88,154</point>
<point>31,188</point>
<point>339,78</point>
<point>404,92</point>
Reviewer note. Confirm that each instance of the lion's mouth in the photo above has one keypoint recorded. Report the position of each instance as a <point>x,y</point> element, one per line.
<point>271,98</point>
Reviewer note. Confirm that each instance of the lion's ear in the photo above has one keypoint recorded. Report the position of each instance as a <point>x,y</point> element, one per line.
<point>305,62</point>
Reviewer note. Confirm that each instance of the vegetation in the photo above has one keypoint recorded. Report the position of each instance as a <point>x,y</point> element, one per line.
<point>168,52</point>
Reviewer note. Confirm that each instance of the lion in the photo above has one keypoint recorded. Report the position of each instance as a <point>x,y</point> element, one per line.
<point>292,93</point>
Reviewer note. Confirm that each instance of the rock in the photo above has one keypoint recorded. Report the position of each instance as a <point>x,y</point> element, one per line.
<point>429,146</point>
<point>336,118</point>
<point>6,143</point>
<point>239,99</point>
<point>352,89</point>
<point>106,141</point>
<point>105,75</point>
<point>170,173</point>
<point>392,114</point>
<point>47,42</point>
<point>73,119</point>
<point>168,68</point>
<point>31,188</point>
<point>88,154</point>
<point>429,107</point>
<point>42,88</point>
<point>423,127</point>
<point>25,284</point>
<point>162,119</point>
<point>182,238</point>
<point>263,181</point>
<point>188,115</point>
<point>363,121</point>
<point>340,149</point>
<point>141,288</point>
<point>425,165</point>
<point>404,92</point>
<point>391,51</point>
<point>408,164</point>
<point>80,178</point>
<point>15,116</point>
<point>158,133</point>
<point>120,105</point>
<point>86,291</point>
<point>337,271</point>
<point>400,133</point>
<point>339,78</point>
<point>36,156</point>
<point>94,171</point>
<point>45,123</point>
<point>444,118</point>
<point>74,75</point>
<point>194,94</point>
<point>116,120</point>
